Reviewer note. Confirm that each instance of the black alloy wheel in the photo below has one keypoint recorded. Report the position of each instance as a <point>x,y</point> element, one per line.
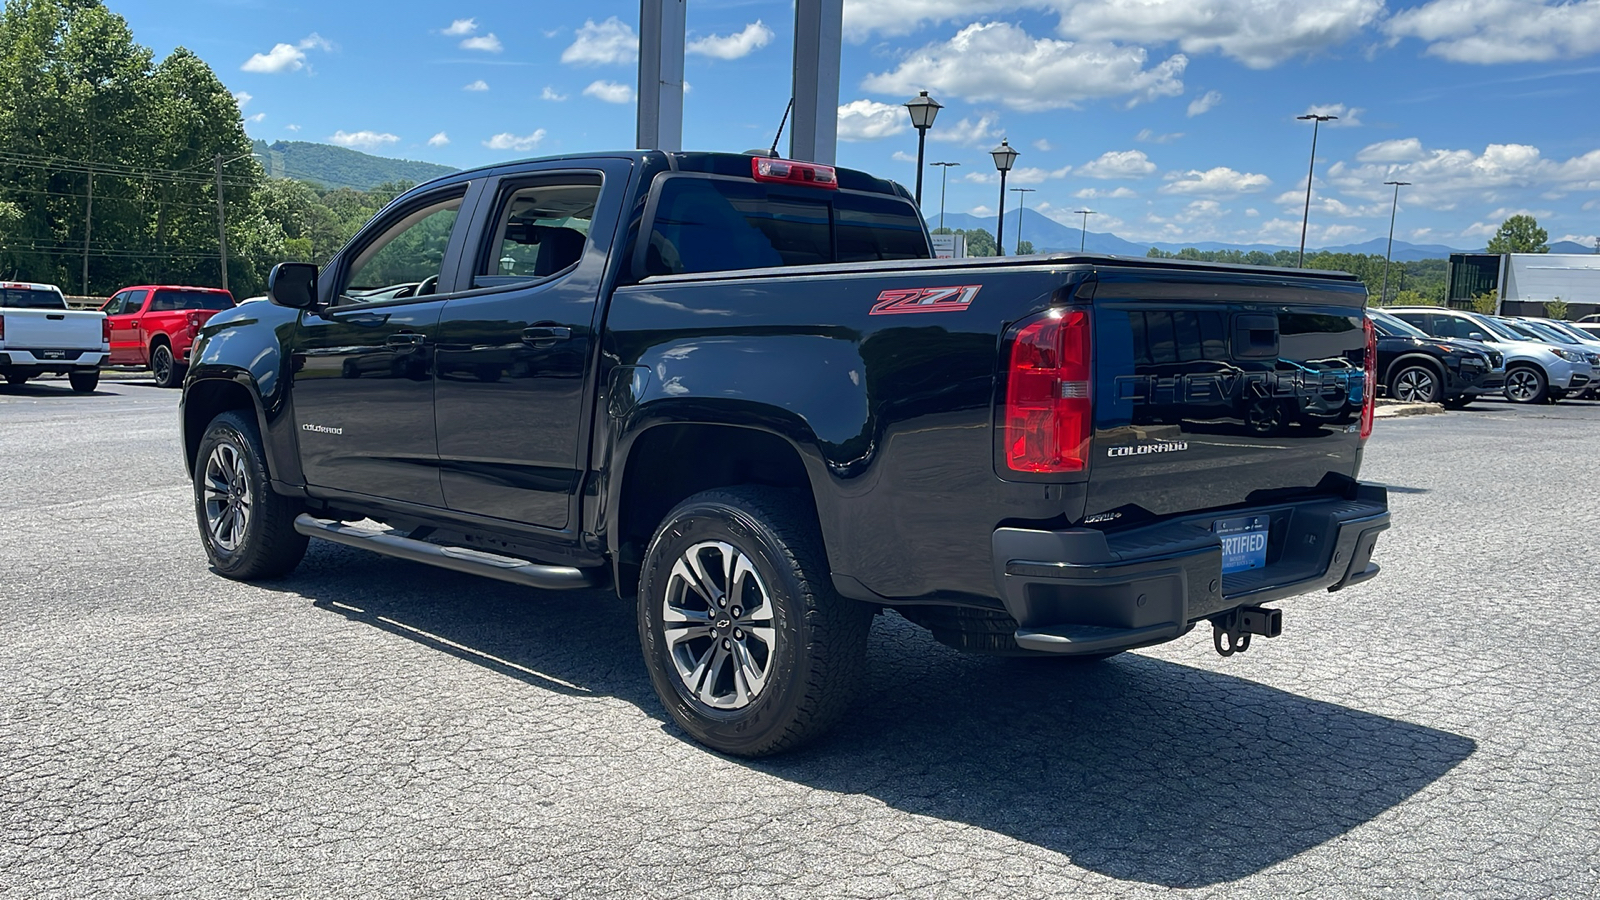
<point>164,367</point>
<point>1415,384</point>
<point>247,528</point>
<point>1525,384</point>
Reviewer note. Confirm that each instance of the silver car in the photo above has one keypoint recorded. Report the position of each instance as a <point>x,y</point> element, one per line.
<point>1536,371</point>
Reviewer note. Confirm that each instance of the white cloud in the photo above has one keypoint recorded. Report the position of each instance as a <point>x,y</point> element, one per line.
<point>1043,145</point>
<point>1147,136</point>
<point>363,140</point>
<point>1585,239</point>
<point>440,139</point>
<point>1001,63</point>
<point>862,18</point>
<point>981,210</point>
<point>550,93</point>
<point>1252,212</point>
<point>479,85</point>
<point>291,128</point>
<point>1348,117</point>
<point>902,156</point>
<point>1327,206</point>
<point>1020,175</point>
<point>611,42</point>
<point>508,141</point>
<point>1258,33</point>
<point>968,131</point>
<point>1120,193</point>
<point>1204,103</point>
<point>1441,179</point>
<point>487,43</point>
<point>1399,150</point>
<point>258,117</point>
<point>242,98</point>
<point>869,120</point>
<point>461,28</point>
<point>733,46</point>
<point>1486,32</point>
<point>610,92</point>
<point>285,57</point>
<point>1119,164</point>
<point>1220,180</point>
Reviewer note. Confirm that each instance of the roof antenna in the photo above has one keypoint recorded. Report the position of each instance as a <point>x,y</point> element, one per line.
<point>781,122</point>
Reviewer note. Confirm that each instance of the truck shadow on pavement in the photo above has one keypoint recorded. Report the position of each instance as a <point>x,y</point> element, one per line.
<point>1135,768</point>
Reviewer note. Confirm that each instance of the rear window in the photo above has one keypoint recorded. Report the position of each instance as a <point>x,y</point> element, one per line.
<point>172,301</point>
<point>26,298</point>
<point>716,225</point>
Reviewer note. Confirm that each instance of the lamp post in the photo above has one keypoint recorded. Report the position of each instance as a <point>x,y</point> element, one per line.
<point>1004,158</point>
<point>1083,233</point>
<point>1022,204</point>
<point>1316,122</point>
<point>1384,297</point>
<point>944,171</point>
<point>923,109</point>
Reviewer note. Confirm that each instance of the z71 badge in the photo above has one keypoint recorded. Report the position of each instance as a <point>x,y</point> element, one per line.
<point>925,300</point>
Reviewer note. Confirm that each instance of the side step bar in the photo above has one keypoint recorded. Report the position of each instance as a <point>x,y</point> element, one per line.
<point>458,559</point>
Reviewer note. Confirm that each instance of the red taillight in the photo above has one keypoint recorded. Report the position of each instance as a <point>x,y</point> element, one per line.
<point>105,330</point>
<point>787,171</point>
<point>1049,410</point>
<point>2,328</point>
<point>194,324</point>
<point>1369,396</point>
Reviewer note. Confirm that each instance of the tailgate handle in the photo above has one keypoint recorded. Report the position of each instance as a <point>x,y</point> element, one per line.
<point>55,318</point>
<point>1255,336</point>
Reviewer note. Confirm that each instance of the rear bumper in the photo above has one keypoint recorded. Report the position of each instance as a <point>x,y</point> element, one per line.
<point>52,360</point>
<point>1078,591</point>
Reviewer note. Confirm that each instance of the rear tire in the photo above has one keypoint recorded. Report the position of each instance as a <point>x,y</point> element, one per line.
<point>1525,384</point>
<point>166,370</point>
<point>247,528</point>
<point>84,382</point>
<point>748,645</point>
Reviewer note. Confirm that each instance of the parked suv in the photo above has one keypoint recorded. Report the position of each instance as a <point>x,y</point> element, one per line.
<point>1417,367</point>
<point>1535,372</point>
<point>1546,332</point>
<point>153,326</point>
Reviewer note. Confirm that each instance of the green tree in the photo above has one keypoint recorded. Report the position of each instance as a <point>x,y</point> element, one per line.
<point>1024,248</point>
<point>1520,234</point>
<point>1556,309</point>
<point>1488,304</point>
<point>1408,298</point>
<point>979,242</point>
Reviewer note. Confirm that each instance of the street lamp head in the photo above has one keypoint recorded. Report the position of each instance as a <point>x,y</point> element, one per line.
<point>923,110</point>
<point>1309,116</point>
<point>946,164</point>
<point>1004,156</point>
<point>1398,183</point>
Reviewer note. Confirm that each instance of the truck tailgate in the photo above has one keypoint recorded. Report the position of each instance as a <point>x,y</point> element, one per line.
<point>1214,393</point>
<point>52,329</point>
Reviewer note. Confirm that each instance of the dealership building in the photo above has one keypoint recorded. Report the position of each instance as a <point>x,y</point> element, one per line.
<point>1527,281</point>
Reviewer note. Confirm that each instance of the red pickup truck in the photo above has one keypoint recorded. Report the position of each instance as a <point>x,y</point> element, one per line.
<point>153,326</point>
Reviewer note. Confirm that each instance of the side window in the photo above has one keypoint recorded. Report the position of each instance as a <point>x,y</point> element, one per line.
<point>1418,319</point>
<point>166,301</point>
<point>406,258</point>
<point>1452,326</point>
<point>135,301</point>
<point>539,231</point>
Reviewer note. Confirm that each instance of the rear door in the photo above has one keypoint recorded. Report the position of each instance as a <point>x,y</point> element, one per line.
<point>1214,391</point>
<point>512,400</point>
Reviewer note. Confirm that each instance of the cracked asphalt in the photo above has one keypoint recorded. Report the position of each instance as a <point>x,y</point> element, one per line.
<point>375,728</point>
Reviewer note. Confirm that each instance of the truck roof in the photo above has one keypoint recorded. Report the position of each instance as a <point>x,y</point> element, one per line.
<point>170,287</point>
<point>28,286</point>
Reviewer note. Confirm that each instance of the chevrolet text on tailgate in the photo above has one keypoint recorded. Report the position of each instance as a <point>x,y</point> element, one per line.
<point>740,391</point>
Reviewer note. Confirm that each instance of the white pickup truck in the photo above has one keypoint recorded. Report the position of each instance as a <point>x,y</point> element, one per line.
<point>38,334</point>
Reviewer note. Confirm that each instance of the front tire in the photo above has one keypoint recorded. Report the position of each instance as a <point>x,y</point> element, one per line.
<point>747,644</point>
<point>1415,384</point>
<point>1526,384</point>
<point>84,382</point>
<point>166,370</point>
<point>247,529</point>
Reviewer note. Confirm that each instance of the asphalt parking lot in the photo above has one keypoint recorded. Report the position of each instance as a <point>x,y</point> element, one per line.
<point>376,728</point>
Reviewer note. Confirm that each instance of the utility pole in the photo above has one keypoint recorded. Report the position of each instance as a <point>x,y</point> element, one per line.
<point>222,225</point>
<point>88,227</point>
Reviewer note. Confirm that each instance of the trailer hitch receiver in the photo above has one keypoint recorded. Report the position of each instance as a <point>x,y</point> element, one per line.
<point>1231,631</point>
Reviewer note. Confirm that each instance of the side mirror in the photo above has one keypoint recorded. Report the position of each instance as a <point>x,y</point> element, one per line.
<point>293,285</point>
<point>1477,336</point>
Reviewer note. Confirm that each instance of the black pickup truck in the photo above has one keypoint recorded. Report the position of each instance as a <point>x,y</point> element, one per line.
<point>739,391</point>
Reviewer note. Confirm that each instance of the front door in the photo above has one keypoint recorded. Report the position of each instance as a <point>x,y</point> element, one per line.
<point>514,350</point>
<point>122,312</point>
<point>363,364</point>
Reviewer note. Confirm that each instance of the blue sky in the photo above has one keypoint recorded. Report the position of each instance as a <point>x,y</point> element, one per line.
<point>1173,119</point>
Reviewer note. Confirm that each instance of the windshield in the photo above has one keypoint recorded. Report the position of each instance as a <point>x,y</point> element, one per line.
<point>1394,327</point>
<point>1499,329</point>
<point>27,298</point>
<point>1572,330</point>
<point>1553,333</point>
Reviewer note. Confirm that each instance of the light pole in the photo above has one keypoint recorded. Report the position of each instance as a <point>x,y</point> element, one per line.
<point>1316,122</point>
<point>1395,207</point>
<point>1083,233</point>
<point>1004,158</point>
<point>944,171</point>
<point>923,109</point>
<point>1022,204</point>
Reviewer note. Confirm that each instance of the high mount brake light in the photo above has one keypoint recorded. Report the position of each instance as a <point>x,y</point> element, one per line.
<point>1369,397</point>
<point>786,171</point>
<point>1049,405</point>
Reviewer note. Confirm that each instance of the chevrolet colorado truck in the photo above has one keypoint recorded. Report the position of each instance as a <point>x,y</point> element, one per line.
<point>740,392</point>
<point>39,335</point>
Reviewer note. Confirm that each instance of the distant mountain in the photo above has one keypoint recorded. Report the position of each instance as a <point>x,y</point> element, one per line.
<point>1571,247</point>
<point>1046,234</point>
<point>338,167</point>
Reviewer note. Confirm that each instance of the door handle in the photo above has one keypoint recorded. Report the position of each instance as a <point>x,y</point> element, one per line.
<point>545,334</point>
<point>404,339</point>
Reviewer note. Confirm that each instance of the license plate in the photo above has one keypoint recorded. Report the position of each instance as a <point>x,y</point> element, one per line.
<point>53,354</point>
<point>1244,542</point>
